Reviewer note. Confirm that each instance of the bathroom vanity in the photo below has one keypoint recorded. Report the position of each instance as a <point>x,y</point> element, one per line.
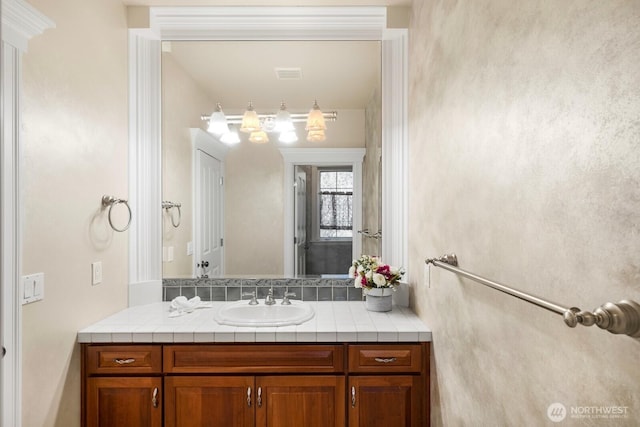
<point>344,367</point>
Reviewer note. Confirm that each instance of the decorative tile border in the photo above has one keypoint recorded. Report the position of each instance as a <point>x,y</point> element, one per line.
<point>231,289</point>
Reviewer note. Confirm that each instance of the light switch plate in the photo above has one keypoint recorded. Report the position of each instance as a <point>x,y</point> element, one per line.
<point>32,288</point>
<point>96,273</point>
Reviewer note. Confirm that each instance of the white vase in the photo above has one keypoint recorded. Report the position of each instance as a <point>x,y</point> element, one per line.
<point>379,299</point>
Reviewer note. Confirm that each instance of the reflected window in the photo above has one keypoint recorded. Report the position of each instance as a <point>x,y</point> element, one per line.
<point>335,203</point>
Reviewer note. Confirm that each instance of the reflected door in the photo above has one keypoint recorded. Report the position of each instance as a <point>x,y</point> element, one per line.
<point>208,250</point>
<point>300,221</point>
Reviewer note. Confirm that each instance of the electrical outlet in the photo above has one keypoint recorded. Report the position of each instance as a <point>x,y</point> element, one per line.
<point>96,273</point>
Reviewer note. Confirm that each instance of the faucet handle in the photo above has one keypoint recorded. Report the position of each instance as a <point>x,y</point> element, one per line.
<point>253,301</point>
<point>287,294</point>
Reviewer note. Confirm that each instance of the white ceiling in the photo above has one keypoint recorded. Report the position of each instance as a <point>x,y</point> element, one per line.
<point>339,74</point>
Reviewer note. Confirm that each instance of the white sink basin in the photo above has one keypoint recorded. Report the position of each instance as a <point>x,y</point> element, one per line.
<point>240,313</point>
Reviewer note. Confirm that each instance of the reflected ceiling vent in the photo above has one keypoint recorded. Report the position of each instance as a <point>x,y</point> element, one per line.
<point>289,73</point>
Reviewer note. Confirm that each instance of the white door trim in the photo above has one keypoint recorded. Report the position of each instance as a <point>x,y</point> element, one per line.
<point>203,141</point>
<point>320,157</point>
<point>258,23</point>
<point>20,22</point>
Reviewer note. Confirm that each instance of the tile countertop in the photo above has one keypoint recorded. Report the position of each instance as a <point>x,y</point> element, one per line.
<point>334,321</point>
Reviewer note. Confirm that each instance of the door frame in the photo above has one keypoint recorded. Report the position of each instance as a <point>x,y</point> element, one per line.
<point>255,23</point>
<point>205,142</point>
<point>320,157</point>
<point>297,172</point>
<point>20,22</point>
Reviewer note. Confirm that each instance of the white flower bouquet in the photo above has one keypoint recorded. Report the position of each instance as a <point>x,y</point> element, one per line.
<point>370,272</point>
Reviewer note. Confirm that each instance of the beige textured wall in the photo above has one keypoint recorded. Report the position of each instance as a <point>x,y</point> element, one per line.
<point>183,102</point>
<point>524,161</point>
<point>74,150</point>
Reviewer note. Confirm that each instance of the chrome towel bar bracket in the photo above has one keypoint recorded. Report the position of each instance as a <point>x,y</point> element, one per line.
<point>622,317</point>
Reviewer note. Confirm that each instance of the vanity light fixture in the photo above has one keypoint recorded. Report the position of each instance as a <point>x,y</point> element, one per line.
<point>258,125</point>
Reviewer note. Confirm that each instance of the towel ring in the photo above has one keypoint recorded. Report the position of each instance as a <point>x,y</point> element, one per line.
<point>168,206</point>
<point>111,201</point>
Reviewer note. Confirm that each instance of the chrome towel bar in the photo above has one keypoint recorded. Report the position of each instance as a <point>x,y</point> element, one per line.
<point>619,318</point>
<point>367,233</point>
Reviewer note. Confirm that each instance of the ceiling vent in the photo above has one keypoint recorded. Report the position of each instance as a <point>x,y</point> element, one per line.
<point>289,73</point>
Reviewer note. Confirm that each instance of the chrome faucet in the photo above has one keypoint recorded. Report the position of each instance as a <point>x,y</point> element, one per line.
<point>269,300</point>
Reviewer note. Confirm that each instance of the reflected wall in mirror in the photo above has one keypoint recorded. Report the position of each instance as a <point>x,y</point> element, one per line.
<point>341,76</point>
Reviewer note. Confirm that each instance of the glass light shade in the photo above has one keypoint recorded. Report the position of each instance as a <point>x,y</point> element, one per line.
<point>259,137</point>
<point>316,136</point>
<point>315,121</point>
<point>250,120</point>
<point>218,122</point>
<point>283,120</point>
<point>288,137</point>
<point>231,137</point>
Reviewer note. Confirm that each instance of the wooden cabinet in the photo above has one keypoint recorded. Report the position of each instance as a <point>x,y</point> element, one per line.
<point>122,386</point>
<point>247,401</point>
<point>385,400</point>
<point>199,401</point>
<point>260,400</point>
<point>293,401</point>
<point>247,385</point>
<point>388,385</point>
<point>118,401</point>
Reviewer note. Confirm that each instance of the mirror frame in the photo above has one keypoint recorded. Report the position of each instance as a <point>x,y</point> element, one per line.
<point>252,23</point>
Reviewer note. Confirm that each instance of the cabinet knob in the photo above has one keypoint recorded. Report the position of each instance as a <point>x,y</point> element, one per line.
<point>249,397</point>
<point>259,397</point>
<point>154,399</point>
<point>385,360</point>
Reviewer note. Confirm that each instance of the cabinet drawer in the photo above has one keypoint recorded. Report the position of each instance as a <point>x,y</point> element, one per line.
<point>223,358</point>
<point>373,358</point>
<point>124,359</point>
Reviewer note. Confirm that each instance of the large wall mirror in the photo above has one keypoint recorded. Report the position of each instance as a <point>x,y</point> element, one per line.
<point>172,28</point>
<point>243,230</point>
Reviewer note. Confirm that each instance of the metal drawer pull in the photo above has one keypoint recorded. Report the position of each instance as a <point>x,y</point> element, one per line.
<point>249,396</point>
<point>124,361</point>
<point>353,397</point>
<point>383,360</point>
<point>259,397</point>
<point>154,399</point>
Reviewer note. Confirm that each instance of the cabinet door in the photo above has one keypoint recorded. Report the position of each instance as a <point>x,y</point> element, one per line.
<point>294,401</point>
<point>198,401</point>
<point>385,400</point>
<point>118,402</point>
